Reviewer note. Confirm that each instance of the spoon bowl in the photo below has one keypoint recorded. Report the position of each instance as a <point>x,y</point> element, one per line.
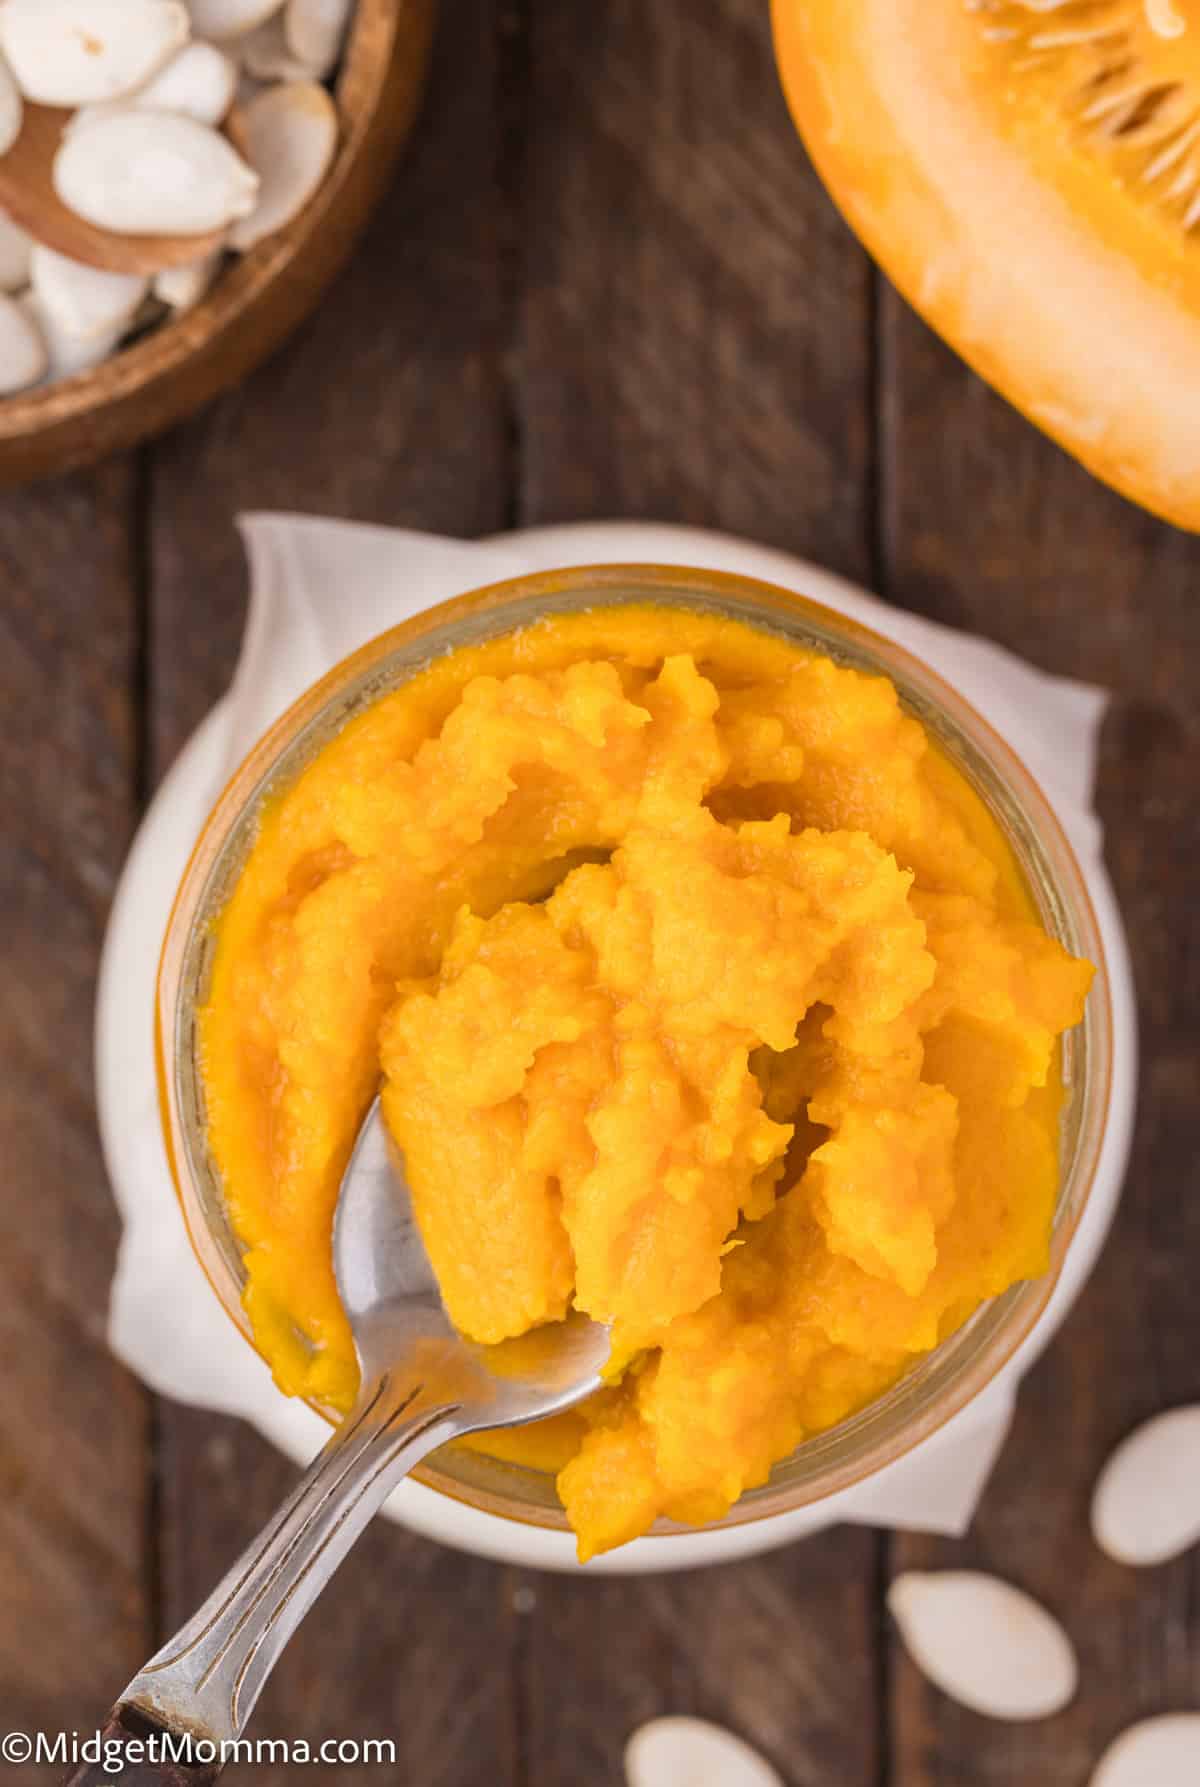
<point>391,1297</point>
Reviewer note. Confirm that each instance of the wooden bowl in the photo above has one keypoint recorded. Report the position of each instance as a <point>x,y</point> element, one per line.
<point>259,298</point>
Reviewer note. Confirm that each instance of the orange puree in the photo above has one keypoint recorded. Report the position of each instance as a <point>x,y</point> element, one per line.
<point>705,994</point>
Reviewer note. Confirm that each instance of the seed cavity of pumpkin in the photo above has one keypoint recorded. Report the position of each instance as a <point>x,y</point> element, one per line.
<point>1146,1504</point>
<point>1119,81</point>
<point>985,1643</point>
<point>685,1752</point>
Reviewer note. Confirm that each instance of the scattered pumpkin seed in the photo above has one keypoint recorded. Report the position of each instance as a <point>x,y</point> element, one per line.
<point>683,1752</point>
<point>1161,1752</point>
<point>985,1643</point>
<point>1146,1505</point>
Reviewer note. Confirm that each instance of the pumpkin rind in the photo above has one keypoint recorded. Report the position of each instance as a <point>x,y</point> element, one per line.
<point>1035,243</point>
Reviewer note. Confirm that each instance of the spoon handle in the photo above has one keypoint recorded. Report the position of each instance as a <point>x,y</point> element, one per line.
<point>196,1694</point>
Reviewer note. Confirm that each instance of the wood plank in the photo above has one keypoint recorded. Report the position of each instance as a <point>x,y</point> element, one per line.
<point>988,525</point>
<point>778,1649</point>
<point>73,1460</point>
<point>695,341</point>
<point>387,407</point>
<point>694,345</point>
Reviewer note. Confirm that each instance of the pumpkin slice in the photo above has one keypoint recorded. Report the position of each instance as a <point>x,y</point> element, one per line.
<point>1028,173</point>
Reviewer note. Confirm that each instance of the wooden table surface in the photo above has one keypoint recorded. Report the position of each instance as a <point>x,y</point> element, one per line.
<point>605,283</point>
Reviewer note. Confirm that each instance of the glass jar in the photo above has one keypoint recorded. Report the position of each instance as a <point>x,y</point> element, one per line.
<point>939,1385</point>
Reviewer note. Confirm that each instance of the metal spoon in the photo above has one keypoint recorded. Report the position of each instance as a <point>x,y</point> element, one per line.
<point>422,1385</point>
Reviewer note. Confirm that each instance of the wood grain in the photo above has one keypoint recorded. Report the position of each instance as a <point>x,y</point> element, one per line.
<point>778,1649</point>
<point>988,525</point>
<point>694,339</point>
<point>73,1458</point>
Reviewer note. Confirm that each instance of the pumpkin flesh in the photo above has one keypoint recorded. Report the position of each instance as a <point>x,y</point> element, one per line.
<point>1028,175</point>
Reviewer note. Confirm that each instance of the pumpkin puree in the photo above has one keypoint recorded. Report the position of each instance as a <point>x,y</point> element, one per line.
<point>706,995</point>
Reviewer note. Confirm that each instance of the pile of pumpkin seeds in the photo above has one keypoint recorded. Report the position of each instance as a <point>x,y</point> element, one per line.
<point>189,118</point>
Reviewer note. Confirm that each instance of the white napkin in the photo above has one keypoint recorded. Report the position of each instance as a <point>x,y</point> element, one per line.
<point>319,589</point>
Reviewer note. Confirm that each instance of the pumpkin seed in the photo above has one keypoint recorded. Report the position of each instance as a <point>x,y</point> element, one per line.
<point>985,1643</point>
<point>289,135</point>
<point>1161,1752</point>
<point>265,56</point>
<point>315,31</point>
<point>682,1752</point>
<point>12,109</point>
<point>84,302</point>
<point>224,19</point>
<point>23,355</point>
<point>75,52</point>
<point>68,354</point>
<point>198,83</point>
<point>153,173</point>
<point>1146,1506</point>
<point>183,287</point>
